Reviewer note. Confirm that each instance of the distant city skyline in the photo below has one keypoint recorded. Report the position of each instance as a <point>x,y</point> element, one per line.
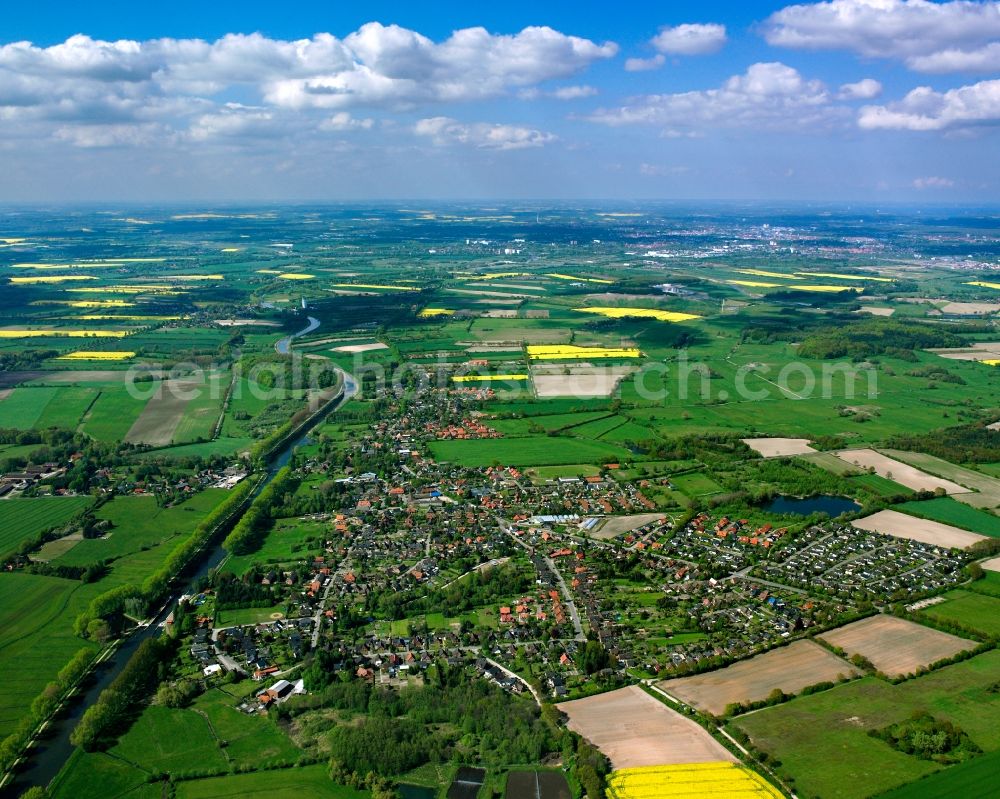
<point>864,100</point>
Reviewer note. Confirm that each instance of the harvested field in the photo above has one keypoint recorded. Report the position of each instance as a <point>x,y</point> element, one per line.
<point>979,351</point>
<point>378,345</point>
<point>595,381</point>
<point>500,313</point>
<point>902,473</point>
<point>902,525</point>
<point>896,646</point>
<point>616,525</point>
<point>779,447</point>
<point>875,310</point>
<point>633,729</point>
<point>992,565</point>
<point>971,308</point>
<point>160,418</point>
<point>790,668</point>
<point>987,488</point>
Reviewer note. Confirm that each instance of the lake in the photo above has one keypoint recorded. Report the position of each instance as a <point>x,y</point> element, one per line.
<point>821,503</point>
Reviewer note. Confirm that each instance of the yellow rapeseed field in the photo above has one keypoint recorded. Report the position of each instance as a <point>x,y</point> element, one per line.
<point>755,284</point>
<point>133,289</point>
<point>374,286</point>
<point>295,276</point>
<point>765,273</point>
<point>99,303</point>
<point>559,276</point>
<point>188,277</point>
<point>428,312</point>
<point>477,378</point>
<point>690,781</point>
<point>49,279</point>
<point>992,361</point>
<point>94,355</point>
<point>64,332</point>
<point>984,284</point>
<point>836,276</point>
<point>497,275</point>
<point>93,317</point>
<point>571,352</point>
<point>645,313</point>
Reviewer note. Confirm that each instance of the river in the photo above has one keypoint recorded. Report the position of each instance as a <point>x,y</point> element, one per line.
<point>53,748</point>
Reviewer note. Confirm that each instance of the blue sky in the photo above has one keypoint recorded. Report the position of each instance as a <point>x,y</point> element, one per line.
<point>879,100</point>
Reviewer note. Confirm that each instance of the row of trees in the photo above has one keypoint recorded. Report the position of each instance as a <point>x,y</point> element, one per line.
<point>43,706</point>
<point>249,532</point>
<point>143,672</point>
<point>107,610</point>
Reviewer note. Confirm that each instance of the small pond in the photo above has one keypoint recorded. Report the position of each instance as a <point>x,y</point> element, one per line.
<point>822,503</point>
<point>407,791</point>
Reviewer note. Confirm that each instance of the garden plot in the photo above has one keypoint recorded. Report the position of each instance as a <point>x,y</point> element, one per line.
<point>902,525</point>
<point>779,447</point>
<point>900,472</point>
<point>896,646</point>
<point>582,381</point>
<point>633,729</point>
<point>790,668</point>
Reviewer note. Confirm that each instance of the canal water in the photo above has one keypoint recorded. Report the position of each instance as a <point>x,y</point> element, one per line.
<point>53,750</point>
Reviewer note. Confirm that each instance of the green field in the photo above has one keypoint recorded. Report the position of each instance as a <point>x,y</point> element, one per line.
<point>68,407</point>
<point>308,782</point>
<point>814,736</point>
<point>962,781</point>
<point>989,584</point>
<point>24,518</point>
<point>948,511</point>
<point>25,405</point>
<point>141,530</point>
<point>879,485</point>
<point>974,610</point>
<point>163,739</point>
<point>696,484</point>
<point>36,636</point>
<point>98,775</point>
<point>542,451</point>
<point>112,414</point>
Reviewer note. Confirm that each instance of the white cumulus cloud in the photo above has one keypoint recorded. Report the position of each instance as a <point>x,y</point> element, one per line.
<point>928,36</point>
<point>690,39</point>
<point>770,95</point>
<point>864,89</point>
<point>925,109</point>
<point>445,130</point>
